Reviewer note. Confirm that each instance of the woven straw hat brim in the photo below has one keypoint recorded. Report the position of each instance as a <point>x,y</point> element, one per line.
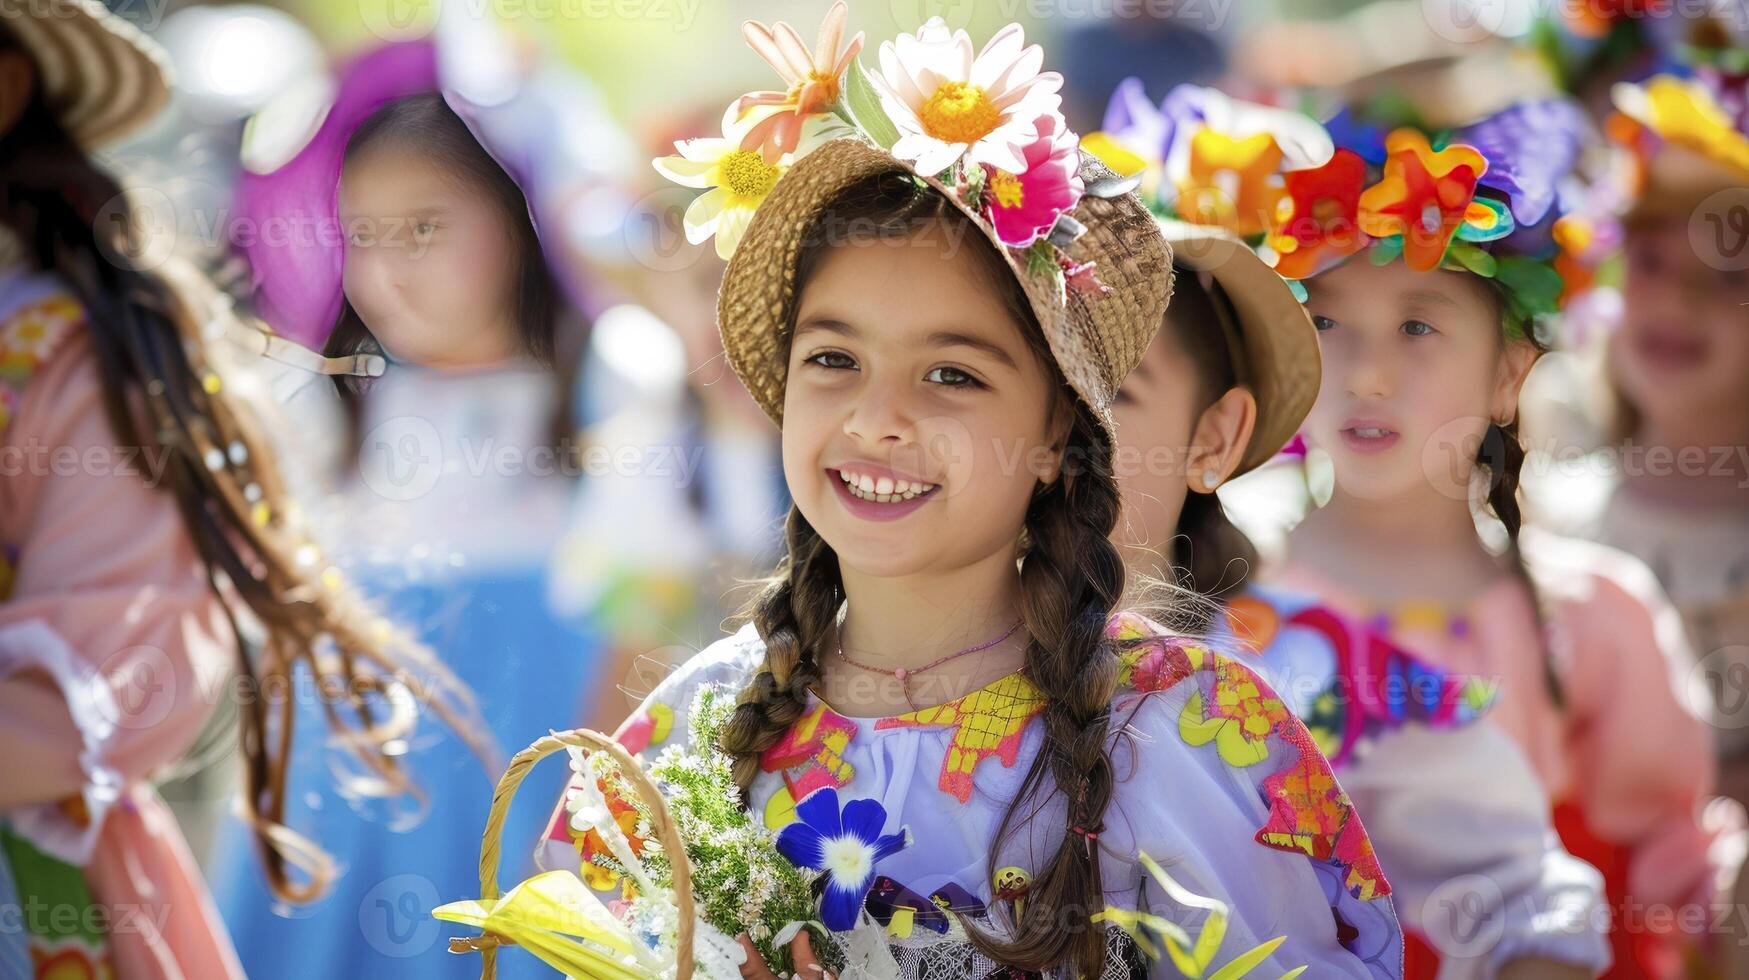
<point>1095,339</point>
<point>1282,363</point>
<point>101,76</point>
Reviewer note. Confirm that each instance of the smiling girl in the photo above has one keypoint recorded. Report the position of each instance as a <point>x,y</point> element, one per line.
<point>943,645</point>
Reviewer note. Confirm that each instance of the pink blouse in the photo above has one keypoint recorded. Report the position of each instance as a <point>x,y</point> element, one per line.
<point>1630,747</point>
<point>113,649</point>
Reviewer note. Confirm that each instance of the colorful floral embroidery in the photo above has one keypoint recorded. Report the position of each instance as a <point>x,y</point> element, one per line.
<point>985,723</point>
<point>1238,718</point>
<point>27,339</point>
<point>1309,812</point>
<point>901,910</point>
<point>817,743</point>
<point>1237,711</point>
<point>1379,686</point>
<point>69,960</point>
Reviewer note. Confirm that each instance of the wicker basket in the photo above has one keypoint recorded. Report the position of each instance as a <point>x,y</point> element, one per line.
<point>491,842</point>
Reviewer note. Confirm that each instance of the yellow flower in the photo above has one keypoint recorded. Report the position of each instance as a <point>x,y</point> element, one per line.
<point>1233,183</point>
<point>738,179</point>
<point>1684,112</point>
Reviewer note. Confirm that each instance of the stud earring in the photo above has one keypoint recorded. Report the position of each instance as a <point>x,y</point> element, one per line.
<point>1210,479</point>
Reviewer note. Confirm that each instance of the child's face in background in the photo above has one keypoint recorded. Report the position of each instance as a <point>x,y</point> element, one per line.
<point>1156,412</point>
<point>906,366</point>
<point>429,265</point>
<point>1682,354</point>
<point>1413,375</point>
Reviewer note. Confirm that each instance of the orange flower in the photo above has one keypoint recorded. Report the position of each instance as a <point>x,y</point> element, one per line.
<point>1322,220</point>
<point>1232,182</point>
<point>813,80</point>
<point>1425,196</point>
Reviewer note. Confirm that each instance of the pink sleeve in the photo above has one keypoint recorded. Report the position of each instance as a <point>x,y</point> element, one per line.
<point>1644,757</point>
<point>108,594</point>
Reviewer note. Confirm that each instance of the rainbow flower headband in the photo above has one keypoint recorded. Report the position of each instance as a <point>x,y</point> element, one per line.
<point>988,125</point>
<point>1483,199</point>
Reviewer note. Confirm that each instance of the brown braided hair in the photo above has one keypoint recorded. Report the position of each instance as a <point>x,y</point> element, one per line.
<point>161,394</point>
<point>1502,455</point>
<point>1072,578</point>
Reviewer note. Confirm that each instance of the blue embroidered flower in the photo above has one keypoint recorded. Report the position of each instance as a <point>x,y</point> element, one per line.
<point>845,845</point>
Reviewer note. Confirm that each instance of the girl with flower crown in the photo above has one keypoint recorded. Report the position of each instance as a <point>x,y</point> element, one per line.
<point>944,706</point>
<point>1428,258</point>
<point>1449,800</point>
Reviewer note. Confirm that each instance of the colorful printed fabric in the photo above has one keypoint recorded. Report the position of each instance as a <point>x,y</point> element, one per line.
<point>1237,710</point>
<point>1222,736</point>
<point>60,946</point>
<point>1366,683</point>
<point>985,723</point>
<point>28,337</point>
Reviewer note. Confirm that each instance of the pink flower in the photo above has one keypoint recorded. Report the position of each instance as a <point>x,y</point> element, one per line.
<point>1023,206</point>
<point>813,80</point>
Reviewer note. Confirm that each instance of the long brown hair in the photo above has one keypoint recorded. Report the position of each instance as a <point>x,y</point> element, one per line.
<point>1071,577</point>
<point>161,393</point>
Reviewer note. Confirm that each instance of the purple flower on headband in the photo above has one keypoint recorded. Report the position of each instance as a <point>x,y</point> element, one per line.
<point>1133,120</point>
<point>1530,147</point>
<point>1365,140</point>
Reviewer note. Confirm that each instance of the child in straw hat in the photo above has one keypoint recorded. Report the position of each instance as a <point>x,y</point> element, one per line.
<point>944,704</point>
<point>145,485</point>
<point>1434,259</point>
<point>1449,800</point>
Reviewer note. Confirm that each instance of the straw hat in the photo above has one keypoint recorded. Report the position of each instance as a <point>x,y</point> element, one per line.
<point>1096,337</point>
<point>1277,345</point>
<point>99,73</point>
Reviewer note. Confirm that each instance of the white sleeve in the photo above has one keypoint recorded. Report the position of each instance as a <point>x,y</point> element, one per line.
<point>1461,827</point>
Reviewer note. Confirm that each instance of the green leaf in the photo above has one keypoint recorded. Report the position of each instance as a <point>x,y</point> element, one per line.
<point>1472,259</point>
<point>1208,942</point>
<point>1535,285</point>
<point>1386,250</point>
<point>865,105</point>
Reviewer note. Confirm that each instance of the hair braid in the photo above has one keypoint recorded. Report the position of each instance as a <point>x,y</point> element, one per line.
<point>793,614</point>
<point>1505,465</point>
<point>1071,578</point>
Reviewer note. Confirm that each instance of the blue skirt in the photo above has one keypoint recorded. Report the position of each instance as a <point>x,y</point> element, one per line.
<point>531,674</point>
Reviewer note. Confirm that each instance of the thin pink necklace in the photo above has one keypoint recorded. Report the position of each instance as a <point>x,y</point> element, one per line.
<point>903,676</point>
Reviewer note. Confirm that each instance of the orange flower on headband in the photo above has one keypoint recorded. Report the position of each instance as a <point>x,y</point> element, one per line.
<point>813,80</point>
<point>1322,220</point>
<point>1233,183</point>
<point>1425,196</point>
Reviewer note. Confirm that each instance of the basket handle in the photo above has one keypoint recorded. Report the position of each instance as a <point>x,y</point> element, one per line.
<point>491,843</point>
